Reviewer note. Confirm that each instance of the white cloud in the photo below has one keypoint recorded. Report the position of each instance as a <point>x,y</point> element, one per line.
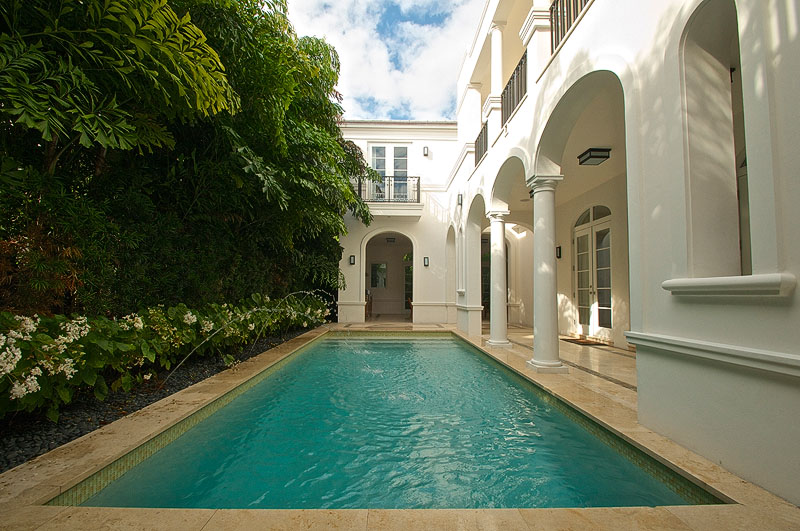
<point>409,72</point>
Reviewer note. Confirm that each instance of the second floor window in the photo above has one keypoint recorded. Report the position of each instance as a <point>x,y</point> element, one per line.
<point>391,162</point>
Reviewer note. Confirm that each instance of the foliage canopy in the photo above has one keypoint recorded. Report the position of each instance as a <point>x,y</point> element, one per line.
<point>167,152</point>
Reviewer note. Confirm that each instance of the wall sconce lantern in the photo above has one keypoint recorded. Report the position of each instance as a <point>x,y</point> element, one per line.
<point>558,251</point>
<point>352,259</point>
<point>426,261</point>
<point>460,199</point>
<point>425,151</point>
<point>594,156</point>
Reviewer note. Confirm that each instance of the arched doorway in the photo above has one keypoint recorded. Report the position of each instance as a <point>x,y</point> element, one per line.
<point>450,259</point>
<point>469,295</point>
<point>592,300</point>
<point>389,277</point>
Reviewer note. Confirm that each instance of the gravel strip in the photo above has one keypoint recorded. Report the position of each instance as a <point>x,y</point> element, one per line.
<point>24,436</point>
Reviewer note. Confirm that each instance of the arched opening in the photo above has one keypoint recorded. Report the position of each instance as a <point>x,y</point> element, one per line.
<point>389,277</point>
<point>469,308</point>
<point>510,193</point>
<point>486,262</point>
<point>717,195</point>
<point>590,115</point>
<point>450,261</point>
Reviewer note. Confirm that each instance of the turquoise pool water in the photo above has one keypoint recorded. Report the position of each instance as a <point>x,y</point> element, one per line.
<point>394,423</point>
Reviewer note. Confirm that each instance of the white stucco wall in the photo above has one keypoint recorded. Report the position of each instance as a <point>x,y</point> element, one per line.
<point>718,372</point>
<point>611,194</point>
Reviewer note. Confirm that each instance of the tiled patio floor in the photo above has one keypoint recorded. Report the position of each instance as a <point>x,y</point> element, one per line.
<point>601,383</point>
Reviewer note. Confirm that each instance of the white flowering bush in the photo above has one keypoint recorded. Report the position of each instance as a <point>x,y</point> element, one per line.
<point>44,361</point>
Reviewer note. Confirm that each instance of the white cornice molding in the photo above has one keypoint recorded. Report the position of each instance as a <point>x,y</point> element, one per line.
<point>370,129</point>
<point>761,285</point>
<point>776,362</point>
<point>538,19</point>
<point>469,148</point>
<point>491,103</point>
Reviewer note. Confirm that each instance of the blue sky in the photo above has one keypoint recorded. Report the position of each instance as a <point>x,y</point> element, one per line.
<point>400,59</point>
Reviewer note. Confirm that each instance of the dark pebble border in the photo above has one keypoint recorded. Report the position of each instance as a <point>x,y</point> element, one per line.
<point>24,436</point>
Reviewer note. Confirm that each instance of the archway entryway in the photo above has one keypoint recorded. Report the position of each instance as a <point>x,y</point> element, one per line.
<point>389,278</point>
<point>509,252</point>
<point>580,183</point>
<point>469,290</point>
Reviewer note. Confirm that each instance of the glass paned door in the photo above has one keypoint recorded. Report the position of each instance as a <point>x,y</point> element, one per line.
<point>400,173</point>
<point>602,252</point>
<point>593,278</point>
<point>583,277</point>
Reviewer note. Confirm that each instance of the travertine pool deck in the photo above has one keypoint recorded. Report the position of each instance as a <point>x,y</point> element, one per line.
<point>601,383</point>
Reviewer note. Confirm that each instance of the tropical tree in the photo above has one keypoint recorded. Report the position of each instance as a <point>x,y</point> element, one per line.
<point>154,152</point>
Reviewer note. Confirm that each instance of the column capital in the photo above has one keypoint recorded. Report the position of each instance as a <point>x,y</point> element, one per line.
<point>497,215</point>
<point>497,25</point>
<point>543,183</point>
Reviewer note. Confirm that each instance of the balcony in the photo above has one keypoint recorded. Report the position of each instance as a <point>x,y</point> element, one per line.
<point>515,89</point>
<point>481,144</point>
<point>390,190</point>
<point>563,14</point>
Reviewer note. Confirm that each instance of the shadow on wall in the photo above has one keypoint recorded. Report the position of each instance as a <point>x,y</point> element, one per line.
<point>567,315</point>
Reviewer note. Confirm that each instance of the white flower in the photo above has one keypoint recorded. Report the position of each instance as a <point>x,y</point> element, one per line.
<point>48,365</point>
<point>27,325</point>
<point>206,326</point>
<point>9,357</point>
<point>147,376</point>
<point>68,368</point>
<point>30,385</point>
<point>251,326</point>
<point>36,371</point>
<point>17,391</point>
<point>189,318</point>
<point>305,324</point>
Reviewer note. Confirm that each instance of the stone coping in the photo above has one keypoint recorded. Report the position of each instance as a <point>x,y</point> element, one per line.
<point>25,488</point>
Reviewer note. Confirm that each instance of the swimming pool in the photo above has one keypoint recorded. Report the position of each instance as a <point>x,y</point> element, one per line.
<point>413,423</point>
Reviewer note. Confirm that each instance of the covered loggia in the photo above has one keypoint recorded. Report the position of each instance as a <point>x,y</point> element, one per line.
<point>509,251</point>
<point>389,277</point>
<point>581,263</point>
<point>469,305</point>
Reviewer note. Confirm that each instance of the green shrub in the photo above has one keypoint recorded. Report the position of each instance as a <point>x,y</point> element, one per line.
<point>44,361</point>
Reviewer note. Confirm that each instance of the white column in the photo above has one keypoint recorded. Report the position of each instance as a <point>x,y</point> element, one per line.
<point>545,294</point>
<point>498,308</point>
<point>491,112</point>
<point>469,114</point>
<point>496,33</point>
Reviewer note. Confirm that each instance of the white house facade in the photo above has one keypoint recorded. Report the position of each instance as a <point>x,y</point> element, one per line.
<point>620,170</point>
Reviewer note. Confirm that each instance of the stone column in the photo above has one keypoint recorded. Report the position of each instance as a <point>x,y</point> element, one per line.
<point>498,308</point>
<point>545,299</point>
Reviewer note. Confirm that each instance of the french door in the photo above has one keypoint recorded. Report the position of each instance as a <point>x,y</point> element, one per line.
<point>593,277</point>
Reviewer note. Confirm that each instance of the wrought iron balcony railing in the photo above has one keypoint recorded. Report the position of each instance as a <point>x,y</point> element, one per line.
<point>390,190</point>
<point>563,14</point>
<point>515,88</point>
<point>481,143</point>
